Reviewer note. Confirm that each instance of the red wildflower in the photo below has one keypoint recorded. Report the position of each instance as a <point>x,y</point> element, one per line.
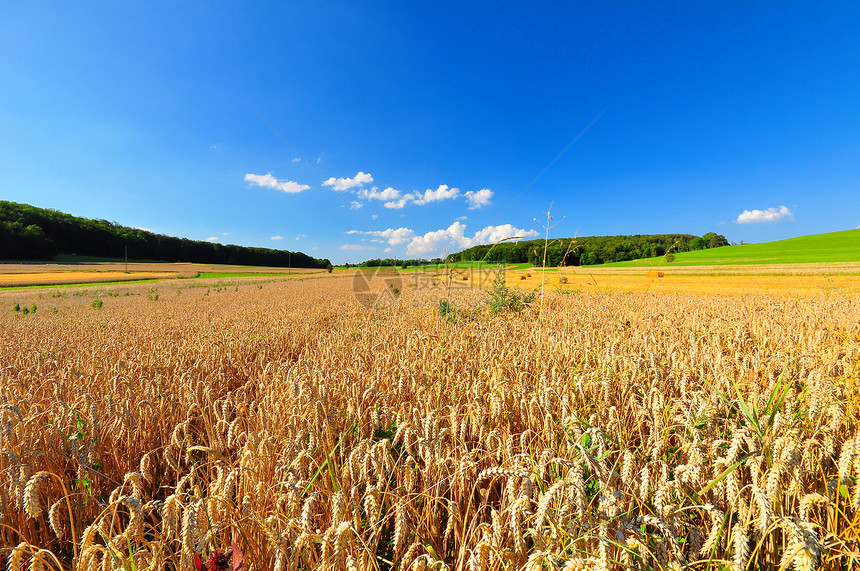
<point>221,560</point>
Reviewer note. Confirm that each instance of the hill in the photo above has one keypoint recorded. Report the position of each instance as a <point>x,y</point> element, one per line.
<point>31,233</point>
<point>843,246</point>
<point>589,250</point>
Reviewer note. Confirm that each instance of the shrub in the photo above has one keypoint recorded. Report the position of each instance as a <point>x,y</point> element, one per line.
<point>97,304</point>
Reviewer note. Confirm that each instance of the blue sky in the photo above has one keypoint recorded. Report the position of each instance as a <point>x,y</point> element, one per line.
<point>351,130</point>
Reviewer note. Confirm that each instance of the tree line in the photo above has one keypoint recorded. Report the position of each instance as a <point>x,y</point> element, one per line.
<point>590,250</point>
<point>31,233</point>
<point>397,262</point>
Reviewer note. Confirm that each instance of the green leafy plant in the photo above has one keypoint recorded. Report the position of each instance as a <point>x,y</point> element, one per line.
<point>97,304</point>
<point>445,307</point>
<point>503,298</point>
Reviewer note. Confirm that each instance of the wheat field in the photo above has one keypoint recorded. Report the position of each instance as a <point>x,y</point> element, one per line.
<point>282,419</point>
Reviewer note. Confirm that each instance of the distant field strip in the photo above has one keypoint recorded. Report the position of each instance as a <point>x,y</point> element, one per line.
<point>59,278</point>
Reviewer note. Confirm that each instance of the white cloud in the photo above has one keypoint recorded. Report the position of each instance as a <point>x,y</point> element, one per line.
<point>493,234</point>
<point>267,180</point>
<point>441,193</point>
<point>399,203</point>
<point>359,179</point>
<point>375,216</point>
<point>300,236</point>
<point>389,249</point>
<point>278,237</point>
<point>396,200</point>
<point>356,204</point>
<point>296,160</point>
<point>356,247</point>
<point>376,194</point>
<point>477,199</point>
<point>212,239</point>
<point>770,215</point>
<point>393,236</point>
<point>455,236</point>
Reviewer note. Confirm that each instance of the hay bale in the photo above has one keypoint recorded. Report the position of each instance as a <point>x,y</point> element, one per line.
<point>655,274</point>
<point>562,279</point>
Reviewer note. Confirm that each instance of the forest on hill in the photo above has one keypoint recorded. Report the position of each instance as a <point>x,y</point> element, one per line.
<point>31,233</point>
<point>589,250</point>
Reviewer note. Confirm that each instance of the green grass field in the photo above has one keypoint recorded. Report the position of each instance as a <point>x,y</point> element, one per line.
<point>841,246</point>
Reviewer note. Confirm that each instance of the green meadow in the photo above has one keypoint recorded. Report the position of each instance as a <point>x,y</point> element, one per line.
<point>841,246</point>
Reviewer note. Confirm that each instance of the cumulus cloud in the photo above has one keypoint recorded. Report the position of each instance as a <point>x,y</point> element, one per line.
<point>394,236</point>
<point>477,199</point>
<point>296,160</point>
<point>356,247</point>
<point>399,203</point>
<point>278,237</point>
<point>376,194</point>
<point>455,235</point>
<point>356,204</point>
<point>212,239</point>
<point>770,215</point>
<point>341,184</point>
<point>396,200</point>
<point>268,181</point>
<point>441,193</point>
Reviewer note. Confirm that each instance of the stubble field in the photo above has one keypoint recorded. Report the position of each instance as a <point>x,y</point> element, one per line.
<point>603,429</point>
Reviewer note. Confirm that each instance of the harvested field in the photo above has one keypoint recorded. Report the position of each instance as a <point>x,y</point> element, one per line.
<point>71,277</point>
<point>591,430</point>
<point>20,275</point>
